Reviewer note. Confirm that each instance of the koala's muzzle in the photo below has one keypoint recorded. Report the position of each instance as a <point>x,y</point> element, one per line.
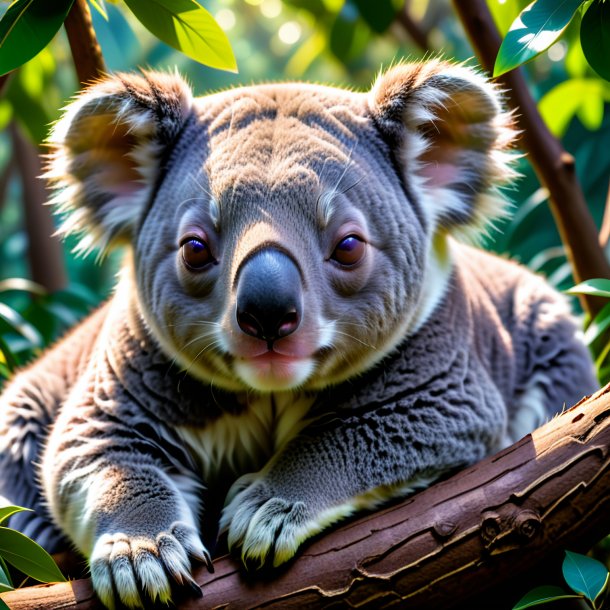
<point>269,296</point>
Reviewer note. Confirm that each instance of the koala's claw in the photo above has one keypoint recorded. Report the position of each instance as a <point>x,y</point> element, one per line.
<point>267,530</point>
<point>137,569</point>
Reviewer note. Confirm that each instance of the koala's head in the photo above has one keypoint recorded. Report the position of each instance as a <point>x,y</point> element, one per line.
<point>283,236</point>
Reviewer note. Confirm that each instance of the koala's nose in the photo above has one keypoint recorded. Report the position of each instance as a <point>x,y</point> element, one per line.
<point>269,296</point>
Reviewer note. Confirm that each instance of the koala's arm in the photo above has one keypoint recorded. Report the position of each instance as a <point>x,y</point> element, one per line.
<point>555,369</point>
<point>360,459</point>
<point>113,486</point>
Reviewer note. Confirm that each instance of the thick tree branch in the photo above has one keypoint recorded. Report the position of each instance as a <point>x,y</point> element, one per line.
<point>86,52</point>
<point>492,523</point>
<point>554,166</point>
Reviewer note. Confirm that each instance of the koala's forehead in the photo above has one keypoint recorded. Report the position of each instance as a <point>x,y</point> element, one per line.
<point>282,142</point>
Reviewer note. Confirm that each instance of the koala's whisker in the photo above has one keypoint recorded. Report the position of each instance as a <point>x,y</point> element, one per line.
<point>351,186</point>
<point>350,336</point>
<point>194,323</point>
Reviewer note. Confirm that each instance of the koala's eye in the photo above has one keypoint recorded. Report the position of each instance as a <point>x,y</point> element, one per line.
<point>195,253</point>
<point>349,251</point>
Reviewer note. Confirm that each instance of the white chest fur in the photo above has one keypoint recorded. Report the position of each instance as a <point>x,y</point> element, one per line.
<point>243,443</point>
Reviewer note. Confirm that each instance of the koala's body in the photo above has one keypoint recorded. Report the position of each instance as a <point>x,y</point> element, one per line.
<point>293,317</point>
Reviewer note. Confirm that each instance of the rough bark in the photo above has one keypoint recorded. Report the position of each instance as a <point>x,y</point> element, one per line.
<point>486,526</point>
<point>86,52</point>
<point>554,166</point>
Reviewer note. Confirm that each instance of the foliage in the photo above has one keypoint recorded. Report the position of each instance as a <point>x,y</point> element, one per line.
<point>23,554</point>
<point>542,22</point>
<point>29,25</point>
<point>597,331</point>
<point>587,577</point>
<point>31,318</point>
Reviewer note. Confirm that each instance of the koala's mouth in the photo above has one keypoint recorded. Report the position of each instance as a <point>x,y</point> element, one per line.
<point>272,371</point>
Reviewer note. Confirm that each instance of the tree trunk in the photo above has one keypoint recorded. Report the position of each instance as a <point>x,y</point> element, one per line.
<point>554,166</point>
<point>476,539</point>
<point>86,53</point>
<point>45,251</point>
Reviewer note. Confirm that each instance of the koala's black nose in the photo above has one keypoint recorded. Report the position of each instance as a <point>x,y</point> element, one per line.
<point>269,296</point>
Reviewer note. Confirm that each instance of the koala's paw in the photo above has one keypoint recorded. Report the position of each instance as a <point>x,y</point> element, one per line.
<point>266,529</point>
<point>137,570</point>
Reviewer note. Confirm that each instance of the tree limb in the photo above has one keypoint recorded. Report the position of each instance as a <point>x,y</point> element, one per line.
<point>487,525</point>
<point>86,52</point>
<point>554,166</point>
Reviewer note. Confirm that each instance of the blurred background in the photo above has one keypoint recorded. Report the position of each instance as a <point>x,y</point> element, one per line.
<point>43,289</point>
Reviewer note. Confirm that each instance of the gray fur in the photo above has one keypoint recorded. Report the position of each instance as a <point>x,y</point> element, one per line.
<point>422,357</point>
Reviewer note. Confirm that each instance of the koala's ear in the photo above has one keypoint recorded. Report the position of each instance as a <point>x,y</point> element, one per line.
<point>451,138</point>
<point>108,149</point>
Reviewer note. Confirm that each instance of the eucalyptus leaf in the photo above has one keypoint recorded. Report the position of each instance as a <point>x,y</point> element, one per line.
<point>597,287</point>
<point>27,556</point>
<point>536,28</point>
<point>542,595</point>
<point>5,571</point>
<point>585,575</point>
<point>600,324</point>
<point>5,581</point>
<point>7,511</point>
<point>595,37</point>
<point>343,32</point>
<point>379,15</point>
<point>100,7</point>
<point>187,27</point>
<point>27,27</point>
<point>6,357</point>
<point>20,325</point>
<point>22,285</point>
<point>581,96</point>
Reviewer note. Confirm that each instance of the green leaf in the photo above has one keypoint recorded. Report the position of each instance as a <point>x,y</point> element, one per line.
<point>19,324</point>
<point>7,359</point>
<point>7,511</point>
<point>596,287</point>
<point>27,556</point>
<point>22,285</point>
<point>27,27</point>
<point>3,606</point>
<point>582,96</point>
<point>343,32</point>
<point>379,15</point>
<point>585,575</point>
<point>536,28</point>
<point>595,37</point>
<point>5,571</point>
<point>100,7</point>
<point>5,581</point>
<point>600,323</point>
<point>542,595</point>
<point>189,28</point>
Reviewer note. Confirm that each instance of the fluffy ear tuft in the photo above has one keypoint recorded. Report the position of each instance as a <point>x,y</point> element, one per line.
<point>452,139</point>
<point>107,150</point>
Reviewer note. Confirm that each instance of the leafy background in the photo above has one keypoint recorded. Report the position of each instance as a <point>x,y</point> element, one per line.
<point>333,41</point>
<point>343,42</point>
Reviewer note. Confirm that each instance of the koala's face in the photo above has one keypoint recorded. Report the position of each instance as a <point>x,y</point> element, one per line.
<point>286,238</point>
<point>280,250</point>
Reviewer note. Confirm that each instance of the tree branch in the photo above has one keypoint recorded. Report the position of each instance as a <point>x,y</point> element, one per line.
<point>554,166</point>
<point>86,52</point>
<point>487,525</point>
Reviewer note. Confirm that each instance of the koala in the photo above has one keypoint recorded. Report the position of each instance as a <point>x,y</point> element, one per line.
<point>299,330</point>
